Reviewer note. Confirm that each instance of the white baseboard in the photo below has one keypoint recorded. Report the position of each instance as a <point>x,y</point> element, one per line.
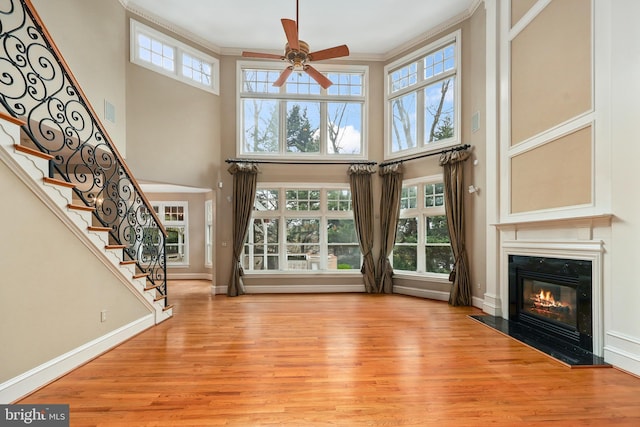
<point>477,302</point>
<point>26,383</point>
<point>622,351</point>
<point>422,293</point>
<point>492,305</point>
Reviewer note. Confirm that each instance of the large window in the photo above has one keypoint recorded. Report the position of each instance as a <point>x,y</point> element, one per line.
<point>422,238</point>
<point>300,118</point>
<point>159,52</point>
<point>302,228</point>
<point>174,216</point>
<point>423,99</point>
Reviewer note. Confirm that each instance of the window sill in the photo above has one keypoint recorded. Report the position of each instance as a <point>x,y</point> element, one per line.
<point>423,277</point>
<point>300,274</point>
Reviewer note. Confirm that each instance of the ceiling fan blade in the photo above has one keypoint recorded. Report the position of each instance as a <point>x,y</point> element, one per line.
<point>291,30</point>
<point>262,55</point>
<point>318,76</point>
<point>332,52</point>
<point>283,76</point>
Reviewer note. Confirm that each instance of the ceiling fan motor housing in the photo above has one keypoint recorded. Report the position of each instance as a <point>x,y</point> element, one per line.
<point>299,57</point>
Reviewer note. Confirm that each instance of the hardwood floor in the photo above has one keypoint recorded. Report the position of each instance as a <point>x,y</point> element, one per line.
<point>333,359</point>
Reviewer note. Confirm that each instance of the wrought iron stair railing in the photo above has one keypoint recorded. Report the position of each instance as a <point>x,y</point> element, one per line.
<point>37,86</point>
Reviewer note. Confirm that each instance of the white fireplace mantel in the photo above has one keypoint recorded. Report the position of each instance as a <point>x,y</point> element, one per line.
<point>582,238</point>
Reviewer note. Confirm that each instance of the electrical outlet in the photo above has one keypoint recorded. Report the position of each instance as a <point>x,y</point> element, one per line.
<point>103,316</point>
<point>479,286</point>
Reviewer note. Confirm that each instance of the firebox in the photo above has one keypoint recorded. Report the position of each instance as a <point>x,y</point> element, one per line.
<point>551,298</point>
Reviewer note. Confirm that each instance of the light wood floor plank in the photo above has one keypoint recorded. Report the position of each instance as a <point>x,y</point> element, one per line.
<point>333,359</point>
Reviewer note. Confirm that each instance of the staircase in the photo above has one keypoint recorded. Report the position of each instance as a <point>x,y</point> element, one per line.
<point>51,137</point>
<point>32,167</point>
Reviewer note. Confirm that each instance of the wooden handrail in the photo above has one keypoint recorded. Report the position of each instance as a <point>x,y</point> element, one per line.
<point>81,94</point>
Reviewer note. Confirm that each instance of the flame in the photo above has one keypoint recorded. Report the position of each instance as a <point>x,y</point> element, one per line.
<point>546,296</point>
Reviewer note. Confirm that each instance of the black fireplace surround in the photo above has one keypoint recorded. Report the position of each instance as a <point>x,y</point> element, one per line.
<point>550,308</point>
<point>552,299</point>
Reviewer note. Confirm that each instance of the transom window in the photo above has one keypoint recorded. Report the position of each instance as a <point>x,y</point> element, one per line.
<point>161,53</point>
<point>156,52</point>
<point>422,237</point>
<point>302,229</point>
<point>423,99</point>
<point>300,118</point>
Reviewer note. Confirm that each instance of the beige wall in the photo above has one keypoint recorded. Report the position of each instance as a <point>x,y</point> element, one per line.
<point>173,130</point>
<point>519,9</point>
<point>551,84</point>
<point>551,75</point>
<point>91,37</point>
<point>555,175</point>
<point>52,287</point>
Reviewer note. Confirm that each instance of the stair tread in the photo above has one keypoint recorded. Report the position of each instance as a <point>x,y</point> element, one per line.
<point>81,207</point>
<point>160,298</point>
<point>128,262</point>
<point>59,182</point>
<point>95,228</point>
<point>169,307</point>
<point>11,119</point>
<point>32,152</point>
<point>115,247</point>
<point>150,288</point>
<point>138,276</point>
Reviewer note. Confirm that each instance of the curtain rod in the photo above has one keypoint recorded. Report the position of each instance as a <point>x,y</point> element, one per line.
<point>419,156</point>
<point>288,162</point>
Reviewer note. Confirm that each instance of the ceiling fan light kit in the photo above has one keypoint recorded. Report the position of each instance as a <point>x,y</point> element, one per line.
<point>296,53</point>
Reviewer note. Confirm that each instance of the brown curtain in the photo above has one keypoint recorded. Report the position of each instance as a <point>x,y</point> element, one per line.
<point>362,196</point>
<point>244,192</point>
<point>389,213</point>
<point>452,163</point>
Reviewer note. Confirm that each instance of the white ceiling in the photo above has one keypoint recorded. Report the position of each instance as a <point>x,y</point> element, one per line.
<point>373,29</point>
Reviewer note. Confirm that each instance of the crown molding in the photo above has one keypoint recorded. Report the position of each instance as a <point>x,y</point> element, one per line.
<point>153,18</point>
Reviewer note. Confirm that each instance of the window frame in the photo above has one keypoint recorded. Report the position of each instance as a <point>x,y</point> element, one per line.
<point>208,233</point>
<point>180,49</point>
<point>283,98</point>
<point>282,214</point>
<point>421,213</point>
<point>422,146</point>
<point>160,205</point>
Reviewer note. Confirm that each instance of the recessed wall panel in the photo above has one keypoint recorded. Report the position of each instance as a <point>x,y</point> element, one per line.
<point>551,69</point>
<point>554,175</point>
<point>519,8</point>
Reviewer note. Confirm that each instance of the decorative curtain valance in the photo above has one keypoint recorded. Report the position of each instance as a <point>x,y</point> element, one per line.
<point>245,177</point>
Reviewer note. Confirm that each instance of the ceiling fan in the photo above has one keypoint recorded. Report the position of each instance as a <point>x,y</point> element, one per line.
<point>296,53</point>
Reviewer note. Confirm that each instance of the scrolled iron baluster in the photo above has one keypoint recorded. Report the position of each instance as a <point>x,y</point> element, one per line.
<point>36,86</point>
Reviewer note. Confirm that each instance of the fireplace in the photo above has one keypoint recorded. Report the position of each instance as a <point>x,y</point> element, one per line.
<point>551,298</point>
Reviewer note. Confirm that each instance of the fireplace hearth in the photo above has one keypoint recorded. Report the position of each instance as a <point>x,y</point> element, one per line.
<point>550,308</point>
